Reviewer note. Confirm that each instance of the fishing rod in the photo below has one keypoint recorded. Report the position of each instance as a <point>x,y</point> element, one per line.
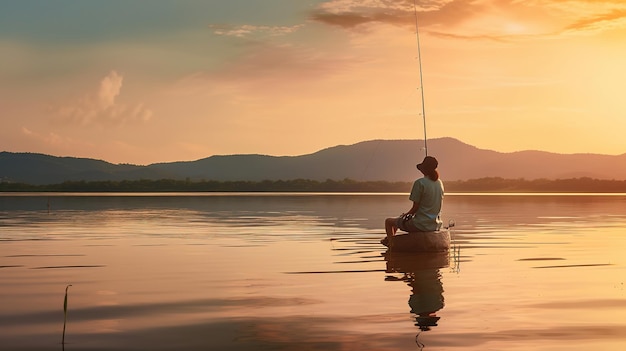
<point>419,59</point>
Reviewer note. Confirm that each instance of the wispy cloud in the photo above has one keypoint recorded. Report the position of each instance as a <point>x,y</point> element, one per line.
<point>495,20</point>
<point>242,31</point>
<point>52,140</point>
<point>102,107</point>
<point>597,23</point>
<point>350,13</point>
<point>269,68</point>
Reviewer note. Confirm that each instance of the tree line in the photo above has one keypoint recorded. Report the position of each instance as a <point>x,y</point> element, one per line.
<point>571,185</point>
<point>494,184</point>
<point>173,185</point>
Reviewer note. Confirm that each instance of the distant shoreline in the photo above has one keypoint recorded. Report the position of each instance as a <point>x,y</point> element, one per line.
<point>481,185</point>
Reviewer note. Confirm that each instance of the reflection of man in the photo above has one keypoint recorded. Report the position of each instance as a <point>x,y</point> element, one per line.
<point>426,320</point>
<point>421,273</point>
<point>426,298</point>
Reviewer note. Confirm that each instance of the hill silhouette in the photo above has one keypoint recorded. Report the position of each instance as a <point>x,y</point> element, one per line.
<point>374,160</point>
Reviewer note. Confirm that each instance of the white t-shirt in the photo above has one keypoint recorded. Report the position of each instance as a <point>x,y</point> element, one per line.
<point>429,195</point>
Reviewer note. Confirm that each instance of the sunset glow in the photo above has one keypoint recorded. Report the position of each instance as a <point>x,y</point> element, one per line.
<point>155,81</point>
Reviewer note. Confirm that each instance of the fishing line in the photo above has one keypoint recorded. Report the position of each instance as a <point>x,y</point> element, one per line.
<point>419,59</point>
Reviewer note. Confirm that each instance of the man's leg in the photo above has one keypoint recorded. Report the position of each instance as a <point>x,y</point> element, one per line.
<point>390,226</point>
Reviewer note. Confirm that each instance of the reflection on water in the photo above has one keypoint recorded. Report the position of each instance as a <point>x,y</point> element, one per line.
<point>421,273</point>
<point>268,271</point>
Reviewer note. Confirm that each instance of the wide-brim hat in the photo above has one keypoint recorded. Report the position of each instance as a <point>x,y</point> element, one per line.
<point>428,164</point>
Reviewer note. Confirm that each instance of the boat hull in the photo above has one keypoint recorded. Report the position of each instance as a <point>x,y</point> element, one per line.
<point>436,241</point>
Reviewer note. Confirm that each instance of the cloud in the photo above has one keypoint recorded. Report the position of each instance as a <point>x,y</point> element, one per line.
<point>53,140</point>
<point>110,88</point>
<point>102,108</point>
<point>252,30</point>
<point>270,68</point>
<point>352,13</point>
<point>496,20</point>
<point>597,23</point>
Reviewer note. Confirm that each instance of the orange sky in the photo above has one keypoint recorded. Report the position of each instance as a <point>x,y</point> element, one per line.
<point>138,83</point>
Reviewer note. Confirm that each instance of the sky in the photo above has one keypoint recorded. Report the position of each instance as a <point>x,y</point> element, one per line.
<point>149,81</point>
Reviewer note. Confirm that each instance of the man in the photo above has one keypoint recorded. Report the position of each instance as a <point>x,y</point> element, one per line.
<point>427,197</point>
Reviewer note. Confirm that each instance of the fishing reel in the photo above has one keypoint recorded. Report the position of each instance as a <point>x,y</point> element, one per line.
<point>406,216</point>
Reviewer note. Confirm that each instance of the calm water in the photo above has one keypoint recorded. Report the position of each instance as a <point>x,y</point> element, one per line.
<point>307,272</point>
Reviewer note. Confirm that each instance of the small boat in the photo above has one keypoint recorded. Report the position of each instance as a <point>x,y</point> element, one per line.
<point>436,241</point>
<point>415,264</point>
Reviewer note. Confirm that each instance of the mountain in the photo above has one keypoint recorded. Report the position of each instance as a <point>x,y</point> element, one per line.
<point>391,160</point>
<point>43,169</point>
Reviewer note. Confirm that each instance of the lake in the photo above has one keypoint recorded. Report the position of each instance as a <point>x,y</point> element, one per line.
<point>307,272</point>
